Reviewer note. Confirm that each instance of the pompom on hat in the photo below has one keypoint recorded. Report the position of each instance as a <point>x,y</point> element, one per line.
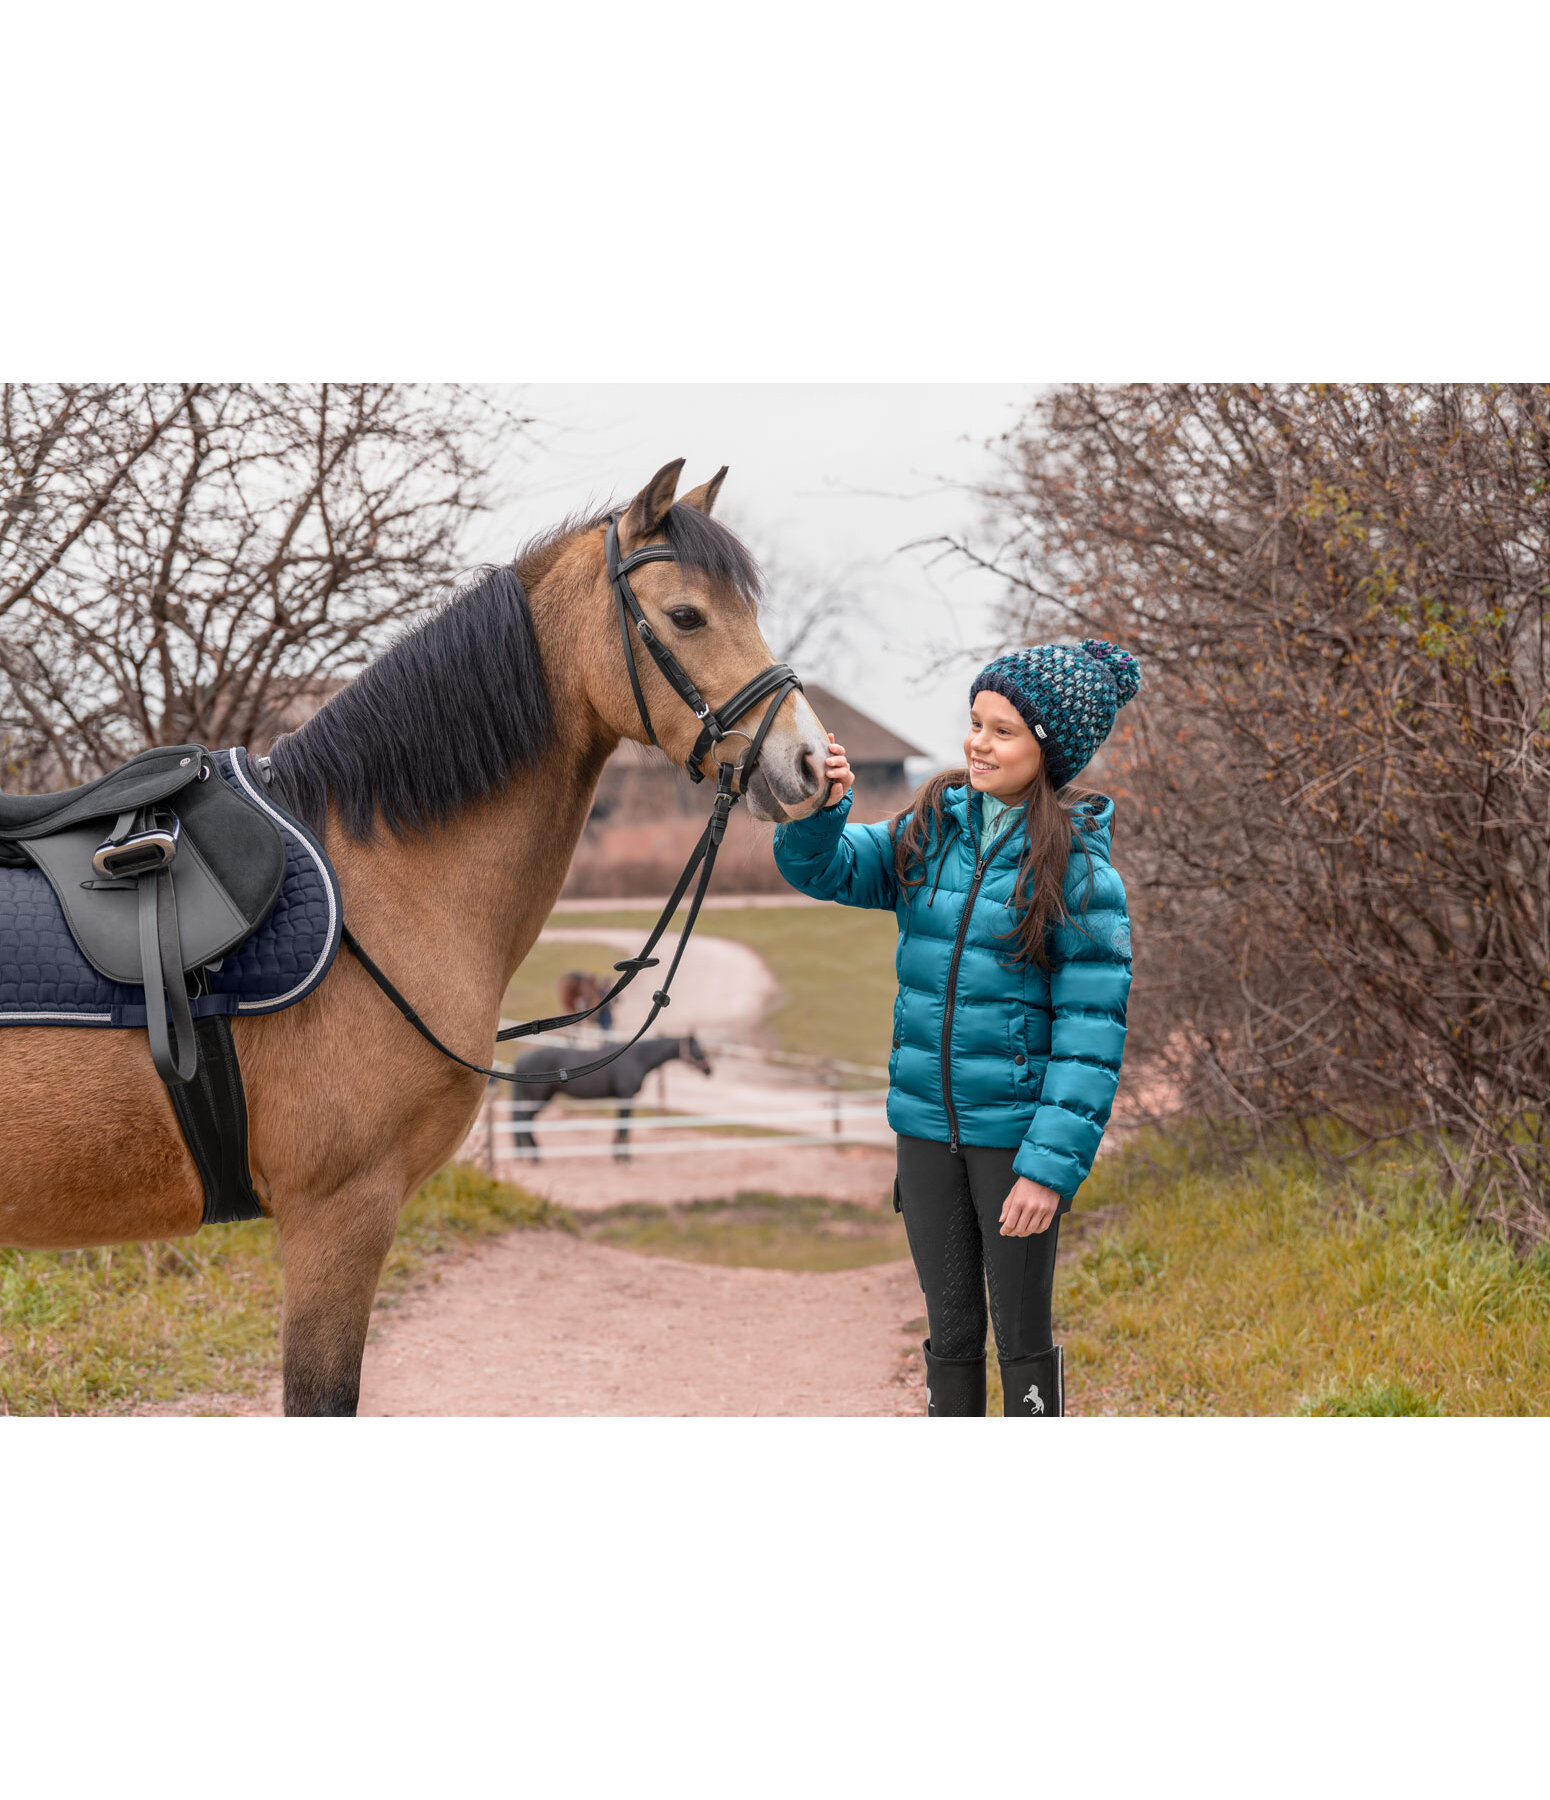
<point>1067,694</point>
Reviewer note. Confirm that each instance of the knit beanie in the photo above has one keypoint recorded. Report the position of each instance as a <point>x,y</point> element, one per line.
<point>1067,694</point>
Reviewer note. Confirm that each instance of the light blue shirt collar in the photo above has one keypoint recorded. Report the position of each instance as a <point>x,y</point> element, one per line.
<point>995,817</point>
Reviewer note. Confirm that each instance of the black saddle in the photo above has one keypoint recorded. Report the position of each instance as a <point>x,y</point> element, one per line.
<point>160,870</point>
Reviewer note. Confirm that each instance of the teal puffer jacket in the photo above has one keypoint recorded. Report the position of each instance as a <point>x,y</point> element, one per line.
<point>987,1050</point>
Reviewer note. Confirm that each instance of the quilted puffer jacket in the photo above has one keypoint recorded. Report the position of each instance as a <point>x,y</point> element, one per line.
<point>987,1050</point>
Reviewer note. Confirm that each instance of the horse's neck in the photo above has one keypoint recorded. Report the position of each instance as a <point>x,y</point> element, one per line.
<point>659,1051</point>
<point>457,908</point>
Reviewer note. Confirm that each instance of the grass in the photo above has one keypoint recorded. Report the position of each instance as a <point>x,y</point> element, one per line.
<point>1265,1288</point>
<point>834,965</point>
<point>105,1331</point>
<point>756,1231</point>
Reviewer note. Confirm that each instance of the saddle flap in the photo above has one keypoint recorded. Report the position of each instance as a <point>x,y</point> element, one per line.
<point>104,921</point>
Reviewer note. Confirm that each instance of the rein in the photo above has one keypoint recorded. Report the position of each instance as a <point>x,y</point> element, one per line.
<point>716,725</point>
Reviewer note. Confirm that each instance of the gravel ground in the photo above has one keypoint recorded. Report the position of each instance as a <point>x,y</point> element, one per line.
<point>543,1324</point>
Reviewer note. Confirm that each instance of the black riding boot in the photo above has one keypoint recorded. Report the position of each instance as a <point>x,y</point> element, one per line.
<point>955,1386</point>
<point>1034,1387</point>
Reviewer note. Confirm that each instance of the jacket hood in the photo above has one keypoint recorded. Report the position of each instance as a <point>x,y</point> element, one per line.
<point>1094,818</point>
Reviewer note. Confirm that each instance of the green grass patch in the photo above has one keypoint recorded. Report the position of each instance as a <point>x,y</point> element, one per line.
<point>1267,1287</point>
<point>755,1231</point>
<point>105,1331</point>
<point>834,964</point>
<point>1374,1399</point>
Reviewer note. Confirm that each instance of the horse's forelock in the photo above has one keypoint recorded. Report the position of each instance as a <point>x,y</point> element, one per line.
<point>699,544</point>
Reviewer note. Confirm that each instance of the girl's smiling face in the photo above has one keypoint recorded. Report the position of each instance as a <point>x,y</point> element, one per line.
<point>1003,755</point>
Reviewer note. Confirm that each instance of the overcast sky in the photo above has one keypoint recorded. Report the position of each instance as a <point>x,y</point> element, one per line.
<point>826,477</point>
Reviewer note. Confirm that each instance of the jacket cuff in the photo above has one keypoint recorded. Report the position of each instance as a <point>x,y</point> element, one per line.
<point>1057,1170</point>
<point>820,828</point>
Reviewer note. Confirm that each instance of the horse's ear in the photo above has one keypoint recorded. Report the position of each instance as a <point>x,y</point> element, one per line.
<point>649,507</point>
<point>703,498</point>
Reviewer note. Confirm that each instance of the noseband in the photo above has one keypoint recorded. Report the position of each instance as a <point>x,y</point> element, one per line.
<point>716,725</point>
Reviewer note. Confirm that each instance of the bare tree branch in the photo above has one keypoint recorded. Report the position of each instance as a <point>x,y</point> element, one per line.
<point>190,560</point>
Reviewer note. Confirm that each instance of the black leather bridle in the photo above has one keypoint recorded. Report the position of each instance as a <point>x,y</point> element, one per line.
<point>716,725</point>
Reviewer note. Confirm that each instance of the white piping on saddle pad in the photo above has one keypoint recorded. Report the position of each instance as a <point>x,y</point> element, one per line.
<point>274,1003</point>
<point>72,1018</point>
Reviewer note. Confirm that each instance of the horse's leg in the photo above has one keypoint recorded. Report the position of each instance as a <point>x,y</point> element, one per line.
<point>333,1253</point>
<point>622,1136</point>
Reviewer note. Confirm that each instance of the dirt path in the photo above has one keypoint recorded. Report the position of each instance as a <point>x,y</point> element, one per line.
<point>545,1324</point>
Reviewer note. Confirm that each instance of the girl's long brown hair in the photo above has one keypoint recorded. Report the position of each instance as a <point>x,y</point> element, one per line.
<point>1038,898</point>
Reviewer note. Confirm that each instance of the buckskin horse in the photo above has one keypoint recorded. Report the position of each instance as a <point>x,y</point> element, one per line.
<point>450,783</point>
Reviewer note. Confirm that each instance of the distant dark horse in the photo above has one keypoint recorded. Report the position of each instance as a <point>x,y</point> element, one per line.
<point>621,1080</point>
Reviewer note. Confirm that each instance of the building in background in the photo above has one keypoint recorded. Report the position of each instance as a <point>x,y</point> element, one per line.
<point>647,813</point>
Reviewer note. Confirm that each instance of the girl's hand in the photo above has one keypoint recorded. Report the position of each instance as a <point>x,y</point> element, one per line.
<point>1028,1208</point>
<point>838,772</point>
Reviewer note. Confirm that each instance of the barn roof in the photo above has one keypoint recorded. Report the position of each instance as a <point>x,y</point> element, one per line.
<point>865,740</point>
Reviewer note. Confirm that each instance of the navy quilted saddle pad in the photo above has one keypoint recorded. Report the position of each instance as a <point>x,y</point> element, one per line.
<point>45,980</point>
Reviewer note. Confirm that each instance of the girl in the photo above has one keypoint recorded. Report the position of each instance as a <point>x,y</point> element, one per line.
<point>1014,968</point>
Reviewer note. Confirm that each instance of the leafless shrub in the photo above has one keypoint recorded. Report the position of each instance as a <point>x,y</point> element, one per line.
<point>1335,785</point>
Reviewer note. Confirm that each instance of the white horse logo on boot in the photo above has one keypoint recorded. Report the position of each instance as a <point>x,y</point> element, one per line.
<point>1032,1401</point>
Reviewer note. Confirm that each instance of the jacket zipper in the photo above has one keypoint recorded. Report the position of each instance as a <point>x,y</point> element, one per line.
<point>952,997</point>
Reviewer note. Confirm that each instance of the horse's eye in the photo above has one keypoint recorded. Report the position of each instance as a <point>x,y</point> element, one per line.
<point>687,618</point>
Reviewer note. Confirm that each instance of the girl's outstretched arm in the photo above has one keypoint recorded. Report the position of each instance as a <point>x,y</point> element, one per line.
<point>1089,991</point>
<point>823,856</point>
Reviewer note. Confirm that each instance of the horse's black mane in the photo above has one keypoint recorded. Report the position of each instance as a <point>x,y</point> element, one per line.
<point>438,721</point>
<point>456,706</point>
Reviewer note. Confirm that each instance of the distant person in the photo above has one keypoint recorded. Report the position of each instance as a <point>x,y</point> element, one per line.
<point>580,991</point>
<point>1014,967</point>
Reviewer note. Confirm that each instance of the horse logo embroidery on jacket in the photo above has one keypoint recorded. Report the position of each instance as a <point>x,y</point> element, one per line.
<point>1031,1399</point>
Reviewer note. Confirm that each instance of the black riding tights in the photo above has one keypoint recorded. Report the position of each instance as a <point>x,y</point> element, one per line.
<point>951,1201</point>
